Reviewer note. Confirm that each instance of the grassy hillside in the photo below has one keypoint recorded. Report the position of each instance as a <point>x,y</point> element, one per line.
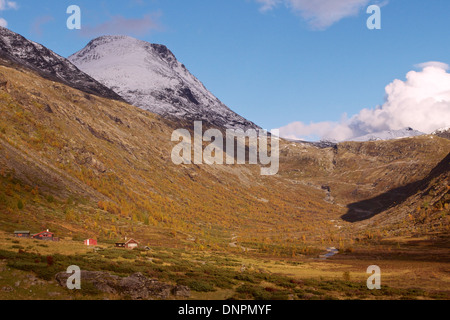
<point>84,166</point>
<point>106,168</point>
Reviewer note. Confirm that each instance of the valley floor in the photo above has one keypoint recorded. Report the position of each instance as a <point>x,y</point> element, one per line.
<point>410,269</point>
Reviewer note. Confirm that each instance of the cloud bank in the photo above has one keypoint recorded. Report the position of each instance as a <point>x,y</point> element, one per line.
<point>422,102</point>
<point>320,14</point>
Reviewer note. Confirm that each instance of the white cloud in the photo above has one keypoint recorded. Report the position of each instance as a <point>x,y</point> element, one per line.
<point>268,4</point>
<point>436,64</point>
<point>12,5</point>
<point>301,131</point>
<point>422,102</point>
<point>6,5</point>
<point>320,14</point>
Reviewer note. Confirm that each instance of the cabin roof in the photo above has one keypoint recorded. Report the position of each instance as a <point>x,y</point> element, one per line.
<point>44,232</point>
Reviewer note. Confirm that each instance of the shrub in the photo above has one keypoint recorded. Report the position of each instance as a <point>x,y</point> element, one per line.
<point>246,278</point>
<point>346,276</point>
<point>257,293</point>
<point>197,285</point>
<point>223,283</point>
<point>49,260</point>
<point>88,289</point>
<point>3,199</point>
<point>47,273</point>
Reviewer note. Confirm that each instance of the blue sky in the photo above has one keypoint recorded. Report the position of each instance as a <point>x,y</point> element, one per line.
<point>269,60</point>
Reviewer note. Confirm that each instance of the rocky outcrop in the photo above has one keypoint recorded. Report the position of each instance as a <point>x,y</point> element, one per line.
<point>136,286</point>
<point>19,52</point>
<point>443,133</point>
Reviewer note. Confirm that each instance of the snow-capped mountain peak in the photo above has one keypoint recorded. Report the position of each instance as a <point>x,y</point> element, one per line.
<point>389,135</point>
<point>150,77</point>
<point>441,130</point>
<point>16,50</point>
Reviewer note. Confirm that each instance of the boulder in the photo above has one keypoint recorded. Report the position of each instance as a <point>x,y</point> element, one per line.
<point>137,286</point>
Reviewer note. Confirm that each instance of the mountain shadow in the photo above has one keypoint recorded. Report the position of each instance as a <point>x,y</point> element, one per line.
<point>366,209</point>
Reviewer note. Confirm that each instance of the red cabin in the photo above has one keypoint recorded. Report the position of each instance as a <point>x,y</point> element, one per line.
<point>90,242</point>
<point>44,235</point>
<point>131,244</point>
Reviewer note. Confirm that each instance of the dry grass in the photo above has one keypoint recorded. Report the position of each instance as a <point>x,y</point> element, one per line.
<point>84,166</point>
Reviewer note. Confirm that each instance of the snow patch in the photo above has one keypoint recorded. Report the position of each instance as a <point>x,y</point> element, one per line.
<point>150,77</point>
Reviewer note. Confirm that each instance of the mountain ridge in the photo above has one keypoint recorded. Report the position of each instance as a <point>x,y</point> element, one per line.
<point>388,135</point>
<point>443,132</point>
<point>17,50</point>
<point>163,85</point>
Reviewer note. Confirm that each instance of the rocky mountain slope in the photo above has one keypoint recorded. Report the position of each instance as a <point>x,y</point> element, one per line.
<point>422,206</point>
<point>367,178</point>
<point>150,77</point>
<point>18,51</point>
<point>443,133</point>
